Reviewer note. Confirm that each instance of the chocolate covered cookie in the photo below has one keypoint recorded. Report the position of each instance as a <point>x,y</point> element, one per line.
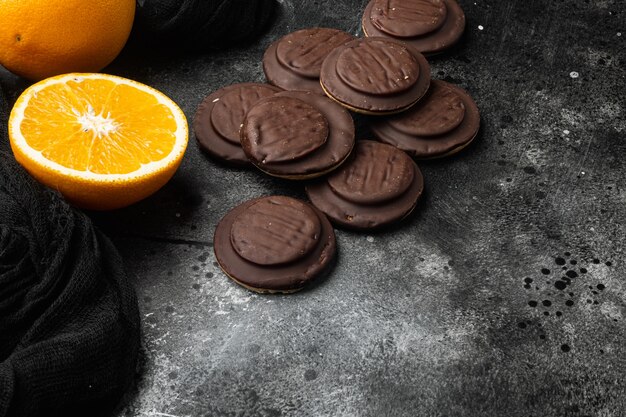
<point>377,186</point>
<point>219,117</point>
<point>293,62</point>
<point>297,135</point>
<point>445,121</point>
<point>375,76</point>
<point>274,244</point>
<point>430,26</point>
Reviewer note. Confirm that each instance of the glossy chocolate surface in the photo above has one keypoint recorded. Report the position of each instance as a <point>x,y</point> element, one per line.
<point>281,129</point>
<point>365,194</point>
<point>300,137</point>
<point>379,174</point>
<point>446,120</point>
<point>219,117</point>
<point>275,231</point>
<point>375,75</point>
<point>408,18</point>
<point>294,61</point>
<point>430,26</point>
<point>377,68</point>
<point>274,243</point>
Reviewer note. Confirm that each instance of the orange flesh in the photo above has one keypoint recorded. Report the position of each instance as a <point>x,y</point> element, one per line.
<point>98,126</point>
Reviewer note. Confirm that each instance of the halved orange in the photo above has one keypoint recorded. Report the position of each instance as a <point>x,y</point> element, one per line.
<point>103,141</point>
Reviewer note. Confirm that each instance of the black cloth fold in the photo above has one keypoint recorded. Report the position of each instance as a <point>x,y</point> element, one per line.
<point>69,321</point>
<point>201,24</point>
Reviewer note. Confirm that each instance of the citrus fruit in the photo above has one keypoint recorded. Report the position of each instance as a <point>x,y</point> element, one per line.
<point>42,38</point>
<point>103,141</point>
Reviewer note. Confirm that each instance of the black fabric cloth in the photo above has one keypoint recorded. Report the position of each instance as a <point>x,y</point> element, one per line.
<point>201,24</point>
<point>69,322</point>
<point>4,116</point>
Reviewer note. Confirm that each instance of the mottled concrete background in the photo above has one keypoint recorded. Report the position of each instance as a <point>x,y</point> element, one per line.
<point>504,295</point>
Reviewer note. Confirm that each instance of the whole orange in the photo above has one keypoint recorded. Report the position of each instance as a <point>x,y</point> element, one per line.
<point>41,38</point>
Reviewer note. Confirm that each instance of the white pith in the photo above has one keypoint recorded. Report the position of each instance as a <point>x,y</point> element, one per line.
<point>100,125</point>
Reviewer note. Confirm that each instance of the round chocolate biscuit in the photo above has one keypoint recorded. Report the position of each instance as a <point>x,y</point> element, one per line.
<point>430,26</point>
<point>283,129</point>
<point>274,244</point>
<point>445,121</point>
<point>293,62</point>
<point>375,76</point>
<point>383,174</point>
<point>372,68</point>
<point>297,135</point>
<point>408,18</point>
<point>377,186</point>
<point>219,117</point>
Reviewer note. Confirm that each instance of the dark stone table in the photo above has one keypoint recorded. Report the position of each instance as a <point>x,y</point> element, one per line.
<point>504,293</point>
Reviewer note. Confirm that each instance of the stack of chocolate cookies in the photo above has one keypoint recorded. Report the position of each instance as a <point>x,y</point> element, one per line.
<point>299,127</point>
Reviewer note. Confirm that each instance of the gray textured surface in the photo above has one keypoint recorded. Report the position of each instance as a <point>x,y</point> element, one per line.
<point>434,317</point>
